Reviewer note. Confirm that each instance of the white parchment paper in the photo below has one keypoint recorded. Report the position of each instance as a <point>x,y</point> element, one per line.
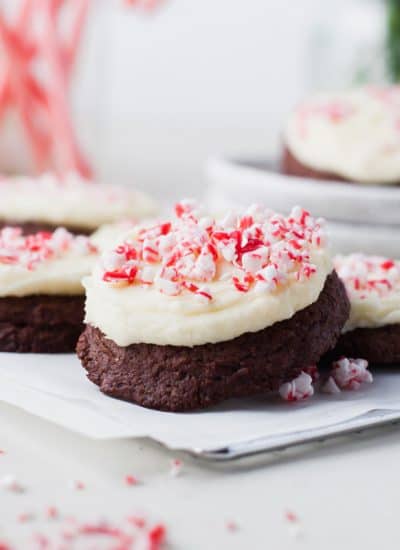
<point>55,388</point>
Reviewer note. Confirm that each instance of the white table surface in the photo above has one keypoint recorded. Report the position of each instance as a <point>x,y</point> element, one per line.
<point>346,494</point>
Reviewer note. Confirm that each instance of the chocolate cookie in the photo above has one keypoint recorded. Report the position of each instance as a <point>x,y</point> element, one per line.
<point>379,345</point>
<point>179,378</point>
<point>28,228</point>
<point>293,167</point>
<point>40,324</point>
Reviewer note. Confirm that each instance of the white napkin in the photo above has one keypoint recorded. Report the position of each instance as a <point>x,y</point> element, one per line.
<point>55,388</point>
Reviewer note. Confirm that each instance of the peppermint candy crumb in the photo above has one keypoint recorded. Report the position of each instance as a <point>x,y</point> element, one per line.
<point>29,251</point>
<point>330,386</point>
<point>52,512</point>
<point>176,467</point>
<point>257,249</point>
<point>348,374</point>
<point>294,524</point>
<point>77,485</point>
<point>25,517</point>
<point>131,480</point>
<point>291,517</point>
<point>232,526</point>
<point>11,483</point>
<point>299,389</point>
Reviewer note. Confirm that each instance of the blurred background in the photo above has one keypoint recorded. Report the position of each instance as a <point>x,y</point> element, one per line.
<point>156,93</point>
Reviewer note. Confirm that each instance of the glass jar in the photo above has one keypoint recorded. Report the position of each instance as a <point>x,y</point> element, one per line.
<point>348,45</point>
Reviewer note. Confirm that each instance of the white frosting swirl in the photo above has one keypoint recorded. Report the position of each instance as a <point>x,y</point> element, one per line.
<point>110,234</point>
<point>72,202</point>
<point>205,300</point>
<point>44,264</point>
<point>373,287</point>
<point>353,134</point>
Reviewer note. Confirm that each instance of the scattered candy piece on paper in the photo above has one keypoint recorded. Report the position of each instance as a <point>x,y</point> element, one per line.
<point>299,389</point>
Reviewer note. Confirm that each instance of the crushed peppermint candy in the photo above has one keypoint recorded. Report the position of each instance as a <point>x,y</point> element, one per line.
<point>348,374</point>
<point>294,523</point>
<point>176,467</point>
<point>77,485</point>
<point>10,483</point>
<point>388,95</point>
<point>156,537</point>
<point>131,480</point>
<point>24,517</point>
<point>291,517</point>
<point>134,532</point>
<point>52,512</point>
<point>299,389</point>
<point>337,109</point>
<point>117,537</point>
<point>137,521</point>
<point>333,111</point>
<point>313,372</point>
<point>330,386</point>
<point>366,276</point>
<point>29,251</point>
<point>232,526</point>
<point>257,250</point>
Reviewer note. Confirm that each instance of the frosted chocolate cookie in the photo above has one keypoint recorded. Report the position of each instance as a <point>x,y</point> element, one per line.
<point>349,136</point>
<point>45,203</point>
<point>41,295</point>
<point>373,329</point>
<point>109,235</point>
<point>192,311</point>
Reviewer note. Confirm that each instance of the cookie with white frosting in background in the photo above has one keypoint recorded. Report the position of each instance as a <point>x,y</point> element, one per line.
<point>373,328</point>
<point>351,136</point>
<point>109,235</point>
<point>41,294</point>
<point>47,202</point>
<point>188,312</point>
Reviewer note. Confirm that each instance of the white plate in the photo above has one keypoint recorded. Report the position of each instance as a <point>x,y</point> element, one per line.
<point>234,182</point>
<point>346,238</point>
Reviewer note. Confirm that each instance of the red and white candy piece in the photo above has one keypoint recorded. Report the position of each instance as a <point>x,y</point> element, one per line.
<point>330,386</point>
<point>11,483</point>
<point>294,524</point>
<point>232,526</point>
<point>313,372</point>
<point>176,467</point>
<point>332,112</point>
<point>24,517</point>
<point>131,480</point>
<point>76,485</point>
<point>52,512</point>
<point>299,389</point>
<point>348,374</point>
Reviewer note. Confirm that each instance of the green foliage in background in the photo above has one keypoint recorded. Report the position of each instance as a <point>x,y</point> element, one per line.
<point>393,39</point>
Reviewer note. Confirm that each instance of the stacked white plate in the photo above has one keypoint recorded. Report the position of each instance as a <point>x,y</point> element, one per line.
<point>361,218</point>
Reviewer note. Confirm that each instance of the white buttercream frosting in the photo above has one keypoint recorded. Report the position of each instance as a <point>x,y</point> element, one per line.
<point>373,287</point>
<point>44,263</point>
<point>71,201</point>
<point>110,234</point>
<point>194,280</point>
<point>354,134</point>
